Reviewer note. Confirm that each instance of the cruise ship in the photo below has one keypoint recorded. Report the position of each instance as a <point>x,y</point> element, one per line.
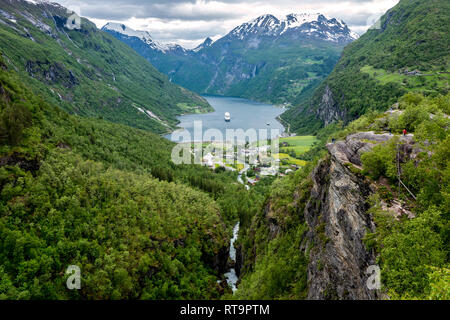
<point>227,117</point>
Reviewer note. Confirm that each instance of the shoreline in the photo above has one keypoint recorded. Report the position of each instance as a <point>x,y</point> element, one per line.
<point>167,135</point>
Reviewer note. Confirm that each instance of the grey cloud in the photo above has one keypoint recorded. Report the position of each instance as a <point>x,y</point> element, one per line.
<point>126,9</point>
<point>200,19</point>
<point>124,12</point>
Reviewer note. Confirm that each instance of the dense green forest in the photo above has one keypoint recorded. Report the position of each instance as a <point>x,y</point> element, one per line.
<point>107,198</point>
<point>376,70</point>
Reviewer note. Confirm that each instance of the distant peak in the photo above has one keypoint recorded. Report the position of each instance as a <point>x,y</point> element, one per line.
<point>44,2</point>
<point>115,26</point>
<point>205,44</point>
<point>310,24</point>
<point>144,36</point>
<point>208,42</point>
<point>125,30</point>
<point>264,20</point>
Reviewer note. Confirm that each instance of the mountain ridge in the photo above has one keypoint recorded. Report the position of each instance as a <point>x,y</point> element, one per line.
<point>310,24</point>
<point>266,59</point>
<point>268,23</point>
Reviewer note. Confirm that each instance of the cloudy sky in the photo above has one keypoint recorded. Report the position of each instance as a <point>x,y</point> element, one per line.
<point>189,22</point>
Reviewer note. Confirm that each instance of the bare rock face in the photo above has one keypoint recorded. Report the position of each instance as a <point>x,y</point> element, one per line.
<point>16,159</point>
<point>329,110</point>
<point>239,260</point>
<point>336,215</point>
<point>338,221</point>
<point>52,73</point>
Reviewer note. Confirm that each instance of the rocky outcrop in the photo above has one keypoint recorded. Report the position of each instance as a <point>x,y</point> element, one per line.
<point>219,262</point>
<point>338,221</point>
<point>329,110</point>
<point>239,264</point>
<point>52,73</point>
<point>351,149</point>
<point>16,159</point>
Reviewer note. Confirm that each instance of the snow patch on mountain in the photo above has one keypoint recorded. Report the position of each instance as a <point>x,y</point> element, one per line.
<point>37,23</point>
<point>45,2</point>
<point>8,16</point>
<point>143,36</point>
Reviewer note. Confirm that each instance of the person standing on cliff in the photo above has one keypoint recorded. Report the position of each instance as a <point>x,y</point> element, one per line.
<point>404,132</point>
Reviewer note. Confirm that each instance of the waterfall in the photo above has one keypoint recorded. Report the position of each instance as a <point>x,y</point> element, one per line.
<point>231,276</point>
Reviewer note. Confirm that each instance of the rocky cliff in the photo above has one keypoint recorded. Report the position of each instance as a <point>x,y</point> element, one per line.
<point>329,110</point>
<point>338,221</point>
<point>325,214</point>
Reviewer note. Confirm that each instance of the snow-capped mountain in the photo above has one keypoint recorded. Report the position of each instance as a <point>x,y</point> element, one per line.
<point>305,24</point>
<point>205,44</point>
<point>143,36</point>
<point>247,59</point>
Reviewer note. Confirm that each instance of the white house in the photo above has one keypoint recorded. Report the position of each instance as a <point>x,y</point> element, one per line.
<point>208,160</point>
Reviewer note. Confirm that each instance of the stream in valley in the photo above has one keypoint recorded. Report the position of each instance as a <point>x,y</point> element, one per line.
<point>231,275</point>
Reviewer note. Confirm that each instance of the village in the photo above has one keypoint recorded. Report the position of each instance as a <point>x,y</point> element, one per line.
<point>256,161</point>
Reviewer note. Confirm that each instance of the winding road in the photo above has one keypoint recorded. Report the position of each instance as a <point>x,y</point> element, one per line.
<point>239,179</point>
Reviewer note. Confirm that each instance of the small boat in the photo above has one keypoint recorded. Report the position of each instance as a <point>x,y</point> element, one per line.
<point>268,123</point>
<point>227,117</point>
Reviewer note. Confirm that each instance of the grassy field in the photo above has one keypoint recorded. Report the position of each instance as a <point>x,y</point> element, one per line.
<point>433,80</point>
<point>300,144</point>
<point>289,159</point>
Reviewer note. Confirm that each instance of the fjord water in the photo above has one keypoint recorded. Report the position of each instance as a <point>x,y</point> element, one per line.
<point>245,114</point>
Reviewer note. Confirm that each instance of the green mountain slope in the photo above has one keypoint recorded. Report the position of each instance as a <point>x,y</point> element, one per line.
<point>285,70</point>
<point>87,71</point>
<point>378,68</point>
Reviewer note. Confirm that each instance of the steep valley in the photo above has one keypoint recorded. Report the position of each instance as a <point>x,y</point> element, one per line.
<point>88,180</point>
